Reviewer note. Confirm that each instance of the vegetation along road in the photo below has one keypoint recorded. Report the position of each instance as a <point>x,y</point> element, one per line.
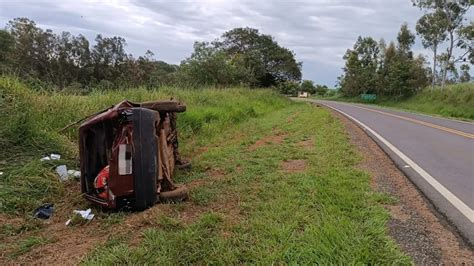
<point>436,153</point>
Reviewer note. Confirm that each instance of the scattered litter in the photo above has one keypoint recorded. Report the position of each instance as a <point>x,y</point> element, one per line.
<point>406,166</point>
<point>46,158</point>
<point>44,211</point>
<point>74,173</point>
<point>62,172</point>
<point>52,156</point>
<point>80,216</point>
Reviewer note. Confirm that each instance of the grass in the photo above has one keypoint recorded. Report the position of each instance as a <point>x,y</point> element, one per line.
<point>258,213</point>
<point>454,101</point>
<point>27,244</point>
<point>252,212</point>
<point>32,121</point>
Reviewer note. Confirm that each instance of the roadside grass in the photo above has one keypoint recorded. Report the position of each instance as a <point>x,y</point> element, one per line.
<point>259,213</point>
<point>27,244</point>
<point>251,210</point>
<point>454,101</point>
<point>32,121</point>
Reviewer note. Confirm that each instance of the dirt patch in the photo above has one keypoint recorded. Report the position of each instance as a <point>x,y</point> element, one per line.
<point>306,144</point>
<point>292,117</point>
<point>65,244</point>
<point>216,174</point>
<point>10,220</point>
<point>294,165</point>
<point>278,138</point>
<point>416,226</point>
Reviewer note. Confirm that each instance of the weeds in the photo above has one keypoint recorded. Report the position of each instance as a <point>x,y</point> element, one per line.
<point>27,244</point>
<point>455,101</point>
<point>32,121</point>
<point>326,214</point>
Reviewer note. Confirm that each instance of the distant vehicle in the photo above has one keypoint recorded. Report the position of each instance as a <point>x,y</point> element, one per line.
<point>128,155</point>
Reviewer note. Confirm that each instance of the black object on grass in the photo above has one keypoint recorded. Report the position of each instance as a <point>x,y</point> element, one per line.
<point>44,211</point>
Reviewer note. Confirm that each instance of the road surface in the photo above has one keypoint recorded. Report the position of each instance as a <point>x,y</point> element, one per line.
<point>436,154</point>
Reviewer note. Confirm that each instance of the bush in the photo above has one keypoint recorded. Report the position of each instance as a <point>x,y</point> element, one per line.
<point>289,88</point>
<point>321,90</point>
<point>75,88</point>
<point>105,85</point>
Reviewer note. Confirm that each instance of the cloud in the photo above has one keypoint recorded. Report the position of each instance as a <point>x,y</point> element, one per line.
<point>319,31</point>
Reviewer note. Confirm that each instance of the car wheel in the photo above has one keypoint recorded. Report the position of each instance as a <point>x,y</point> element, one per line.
<point>144,158</point>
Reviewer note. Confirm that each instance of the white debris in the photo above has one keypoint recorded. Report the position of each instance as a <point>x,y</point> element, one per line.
<point>46,158</point>
<point>1,173</point>
<point>74,173</point>
<point>86,215</point>
<point>406,166</point>
<point>62,172</point>
<point>52,156</point>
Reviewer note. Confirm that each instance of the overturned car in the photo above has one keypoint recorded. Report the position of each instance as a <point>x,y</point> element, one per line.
<point>128,154</point>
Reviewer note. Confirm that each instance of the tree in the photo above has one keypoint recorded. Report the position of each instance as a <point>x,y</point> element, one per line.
<point>209,65</point>
<point>308,86</point>
<point>262,55</point>
<point>107,56</point>
<point>453,15</point>
<point>465,76</point>
<point>405,40</point>
<point>360,71</point>
<point>406,75</point>
<point>82,59</point>
<point>288,87</point>
<point>388,57</point>
<point>466,42</point>
<point>6,45</point>
<point>321,89</point>
<point>33,47</point>
<point>243,56</point>
<point>391,70</point>
<point>432,30</point>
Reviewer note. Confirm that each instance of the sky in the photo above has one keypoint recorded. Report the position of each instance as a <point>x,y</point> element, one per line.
<point>318,31</point>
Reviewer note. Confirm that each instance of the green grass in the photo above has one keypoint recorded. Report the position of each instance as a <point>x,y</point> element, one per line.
<point>254,212</point>
<point>32,121</point>
<point>27,244</point>
<point>326,214</point>
<point>454,101</point>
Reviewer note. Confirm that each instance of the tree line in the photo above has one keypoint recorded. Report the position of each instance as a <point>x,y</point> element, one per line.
<point>394,71</point>
<point>242,56</point>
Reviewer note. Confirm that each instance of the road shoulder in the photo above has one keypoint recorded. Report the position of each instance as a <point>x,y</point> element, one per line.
<point>415,225</point>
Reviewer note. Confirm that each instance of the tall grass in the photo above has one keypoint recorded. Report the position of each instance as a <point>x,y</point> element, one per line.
<point>455,100</point>
<point>32,120</point>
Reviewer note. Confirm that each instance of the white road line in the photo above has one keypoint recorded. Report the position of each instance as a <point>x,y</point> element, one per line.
<point>448,195</point>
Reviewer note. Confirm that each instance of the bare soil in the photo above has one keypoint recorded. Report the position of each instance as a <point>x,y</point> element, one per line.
<point>276,138</point>
<point>68,245</point>
<point>307,144</point>
<point>294,165</point>
<point>416,226</point>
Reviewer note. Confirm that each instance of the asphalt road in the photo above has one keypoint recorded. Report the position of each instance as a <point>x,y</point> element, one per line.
<point>436,154</point>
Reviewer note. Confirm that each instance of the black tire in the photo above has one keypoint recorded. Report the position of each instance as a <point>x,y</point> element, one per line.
<point>178,195</point>
<point>144,160</point>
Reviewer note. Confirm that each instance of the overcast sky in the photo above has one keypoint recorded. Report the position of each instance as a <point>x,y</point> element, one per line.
<point>318,31</point>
